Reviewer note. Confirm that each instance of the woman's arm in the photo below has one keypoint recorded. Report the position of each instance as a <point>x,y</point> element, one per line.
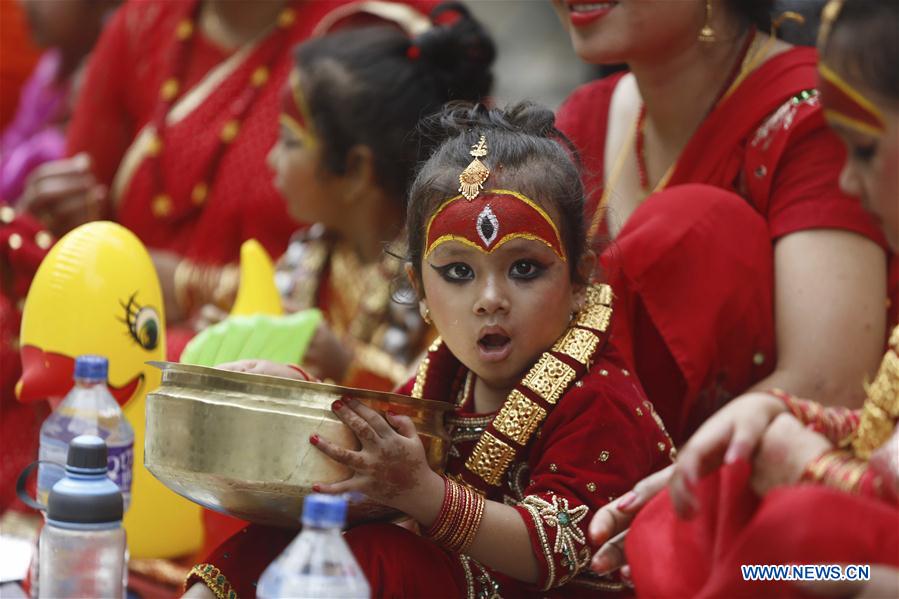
<point>830,289</point>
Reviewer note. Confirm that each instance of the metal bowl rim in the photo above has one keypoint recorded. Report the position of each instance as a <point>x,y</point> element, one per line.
<point>277,381</point>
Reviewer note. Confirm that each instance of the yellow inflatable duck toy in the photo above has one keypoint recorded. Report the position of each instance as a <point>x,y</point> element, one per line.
<point>97,292</point>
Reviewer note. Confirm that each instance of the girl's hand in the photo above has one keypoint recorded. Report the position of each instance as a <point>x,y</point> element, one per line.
<point>267,367</point>
<point>610,523</point>
<point>731,434</point>
<point>327,356</point>
<point>390,468</point>
<point>786,449</point>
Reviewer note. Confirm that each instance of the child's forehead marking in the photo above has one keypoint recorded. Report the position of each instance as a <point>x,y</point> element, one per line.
<point>458,249</point>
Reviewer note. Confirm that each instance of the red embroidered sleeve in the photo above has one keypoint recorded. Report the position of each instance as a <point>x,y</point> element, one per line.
<point>600,440</point>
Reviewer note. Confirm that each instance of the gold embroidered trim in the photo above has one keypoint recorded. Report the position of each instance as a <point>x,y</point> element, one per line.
<point>484,587</point>
<point>465,391</point>
<point>421,377</point>
<point>519,417</point>
<point>596,319</point>
<point>569,541</point>
<point>577,344</point>
<point>672,453</point>
<point>490,458</point>
<point>549,378</point>
<point>213,578</point>
<point>599,294</point>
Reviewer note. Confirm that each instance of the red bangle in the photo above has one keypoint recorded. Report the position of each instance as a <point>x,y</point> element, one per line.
<point>459,518</point>
<point>305,374</point>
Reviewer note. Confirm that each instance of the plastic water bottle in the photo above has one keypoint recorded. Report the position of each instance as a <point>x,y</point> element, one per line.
<point>82,544</point>
<point>88,409</point>
<point>318,563</point>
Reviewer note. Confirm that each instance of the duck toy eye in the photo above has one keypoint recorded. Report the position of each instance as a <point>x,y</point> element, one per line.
<point>142,322</point>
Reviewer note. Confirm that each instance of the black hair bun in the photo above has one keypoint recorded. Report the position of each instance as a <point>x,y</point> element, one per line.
<point>526,117</point>
<point>460,52</point>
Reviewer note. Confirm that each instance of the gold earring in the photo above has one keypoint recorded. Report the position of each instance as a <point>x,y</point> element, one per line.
<point>427,316</point>
<point>707,34</point>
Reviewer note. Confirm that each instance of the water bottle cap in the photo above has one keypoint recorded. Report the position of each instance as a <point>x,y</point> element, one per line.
<point>87,455</point>
<point>85,495</point>
<point>91,367</point>
<point>324,510</point>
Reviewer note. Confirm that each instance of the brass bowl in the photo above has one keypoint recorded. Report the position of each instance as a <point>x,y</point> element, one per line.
<point>238,443</point>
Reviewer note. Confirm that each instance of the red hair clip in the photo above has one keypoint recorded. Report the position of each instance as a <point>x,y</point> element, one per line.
<point>413,52</point>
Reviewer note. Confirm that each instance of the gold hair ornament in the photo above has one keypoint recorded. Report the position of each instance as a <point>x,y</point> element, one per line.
<point>471,180</point>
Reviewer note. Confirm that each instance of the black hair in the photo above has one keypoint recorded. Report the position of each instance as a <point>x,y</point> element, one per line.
<point>753,12</point>
<point>526,153</point>
<point>864,44</point>
<point>371,85</point>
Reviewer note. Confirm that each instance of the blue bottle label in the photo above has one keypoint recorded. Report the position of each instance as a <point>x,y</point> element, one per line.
<point>120,462</point>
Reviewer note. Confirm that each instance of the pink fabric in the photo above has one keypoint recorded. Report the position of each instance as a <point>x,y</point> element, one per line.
<point>36,133</point>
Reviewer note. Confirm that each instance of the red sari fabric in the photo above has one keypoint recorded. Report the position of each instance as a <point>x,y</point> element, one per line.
<point>773,150</point>
<point>120,95</point>
<point>806,524</point>
<point>19,422</point>
<point>595,445</point>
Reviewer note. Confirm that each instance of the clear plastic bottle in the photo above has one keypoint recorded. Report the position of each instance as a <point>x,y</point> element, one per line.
<point>88,409</point>
<point>82,544</point>
<point>318,563</point>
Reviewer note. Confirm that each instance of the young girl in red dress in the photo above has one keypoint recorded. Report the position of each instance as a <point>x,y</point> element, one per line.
<point>548,422</point>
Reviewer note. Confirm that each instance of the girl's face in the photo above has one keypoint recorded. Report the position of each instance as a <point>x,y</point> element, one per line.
<point>309,188</point>
<point>871,171</point>
<point>627,30</point>
<point>498,311</point>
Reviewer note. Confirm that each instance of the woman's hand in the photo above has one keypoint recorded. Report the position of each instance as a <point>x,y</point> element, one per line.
<point>731,434</point>
<point>786,449</point>
<point>390,468</point>
<point>327,356</point>
<point>267,367</point>
<point>610,523</point>
<point>64,193</point>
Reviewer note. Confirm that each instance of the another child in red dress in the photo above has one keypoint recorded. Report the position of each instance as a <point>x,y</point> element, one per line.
<point>548,422</point>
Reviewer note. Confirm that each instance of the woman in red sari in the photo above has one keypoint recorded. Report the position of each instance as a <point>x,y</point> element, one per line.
<point>847,512</point>
<point>717,291</point>
<point>548,421</point>
<point>178,111</point>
